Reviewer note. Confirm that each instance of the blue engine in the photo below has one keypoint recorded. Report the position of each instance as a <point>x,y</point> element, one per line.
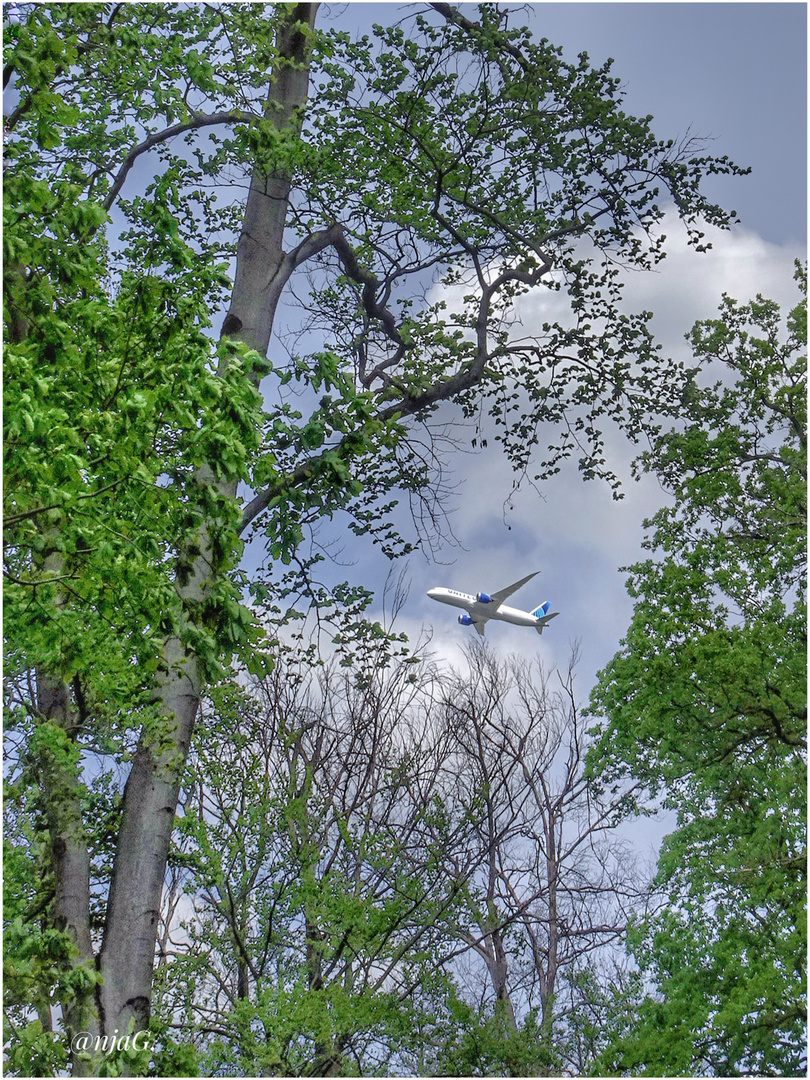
<point>483,598</point>
<point>465,620</point>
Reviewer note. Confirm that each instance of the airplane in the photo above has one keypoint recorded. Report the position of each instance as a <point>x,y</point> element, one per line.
<point>485,606</point>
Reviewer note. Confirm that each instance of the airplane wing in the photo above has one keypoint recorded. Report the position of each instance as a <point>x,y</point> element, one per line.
<point>480,625</point>
<point>499,597</point>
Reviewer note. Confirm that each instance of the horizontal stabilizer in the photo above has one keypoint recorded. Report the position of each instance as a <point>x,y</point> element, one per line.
<point>546,620</point>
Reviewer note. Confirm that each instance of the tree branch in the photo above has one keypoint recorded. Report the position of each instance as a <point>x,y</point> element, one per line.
<point>453,15</point>
<point>157,137</point>
<point>370,283</point>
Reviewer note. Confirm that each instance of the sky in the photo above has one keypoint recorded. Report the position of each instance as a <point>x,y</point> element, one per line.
<point>735,73</point>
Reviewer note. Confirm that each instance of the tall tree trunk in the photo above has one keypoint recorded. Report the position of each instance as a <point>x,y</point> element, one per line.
<point>152,790</point>
<point>70,857</point>
<point>60,782</point>
<point>61,788</point>
<point>149,804</point>
<point>498,965</point>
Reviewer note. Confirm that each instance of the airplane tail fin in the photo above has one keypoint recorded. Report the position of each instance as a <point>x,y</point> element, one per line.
<point>542,610</point>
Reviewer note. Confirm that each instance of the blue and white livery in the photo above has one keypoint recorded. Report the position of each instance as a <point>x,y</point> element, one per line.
<point>484,606</point>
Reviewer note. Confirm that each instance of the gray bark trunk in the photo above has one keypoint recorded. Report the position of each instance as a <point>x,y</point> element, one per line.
<point>68,841</point>
<point>262,267</point>
<point>70,857</point>
<point>150,800</point>
<point>548,981</point>
<point>498,966</point>
<point>151,793</point>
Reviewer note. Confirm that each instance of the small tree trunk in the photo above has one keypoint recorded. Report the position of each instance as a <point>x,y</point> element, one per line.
<point>499,970</point>
<point>549,982</point>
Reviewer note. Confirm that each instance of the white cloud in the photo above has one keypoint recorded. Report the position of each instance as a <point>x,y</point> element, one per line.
<point>689,286</point>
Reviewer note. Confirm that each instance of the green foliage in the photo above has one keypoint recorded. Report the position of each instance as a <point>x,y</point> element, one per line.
<point>32,1051</point>
<point>481,1043</point>
<point>429,183</point>
<point>101,428</point>
<point>706,704</point>
<point>172,1058</point>
<point>37,969</point>
<point>599,1003</point>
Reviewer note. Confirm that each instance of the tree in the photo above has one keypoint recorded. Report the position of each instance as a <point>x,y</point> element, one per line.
<point>463,156</point>
<point>347,844</point>
<point>547,883</point>
<point>307,804</point>
<point>706,705</point>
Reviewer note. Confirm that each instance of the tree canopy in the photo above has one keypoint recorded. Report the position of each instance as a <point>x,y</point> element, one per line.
<point>170,166</point>
<point>706,705</point>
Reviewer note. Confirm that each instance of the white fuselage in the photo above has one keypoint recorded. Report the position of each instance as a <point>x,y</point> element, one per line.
<point>483,611</point>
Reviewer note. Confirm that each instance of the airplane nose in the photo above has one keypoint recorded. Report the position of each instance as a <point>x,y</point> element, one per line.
<point>432,593</point>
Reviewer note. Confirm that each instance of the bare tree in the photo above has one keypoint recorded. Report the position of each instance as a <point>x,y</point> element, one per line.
<point>553,882</point>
